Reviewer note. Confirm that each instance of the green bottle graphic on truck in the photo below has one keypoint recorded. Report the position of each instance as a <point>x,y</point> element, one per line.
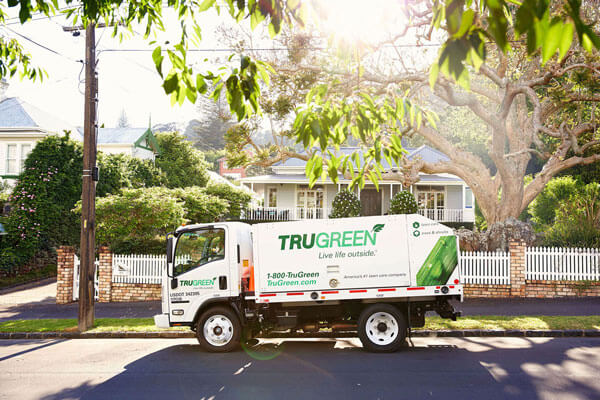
<point>440,263</point>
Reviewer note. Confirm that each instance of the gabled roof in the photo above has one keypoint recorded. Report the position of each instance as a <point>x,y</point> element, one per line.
<point>18,114</point>
<point>132,136</point>
<point>427,153</point>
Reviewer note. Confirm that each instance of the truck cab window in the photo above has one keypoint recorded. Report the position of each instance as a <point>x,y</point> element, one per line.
<point>197,248</point>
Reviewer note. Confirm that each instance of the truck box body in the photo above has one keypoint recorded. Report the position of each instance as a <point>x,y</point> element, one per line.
<point>380,256</point>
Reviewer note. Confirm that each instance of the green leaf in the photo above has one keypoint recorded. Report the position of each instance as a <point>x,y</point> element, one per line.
<point>171,82</point>
<point>205,5</point>
<point>158,59</point>
<point>433,75</point>
<point>566,39</point>
<point>377,227</point>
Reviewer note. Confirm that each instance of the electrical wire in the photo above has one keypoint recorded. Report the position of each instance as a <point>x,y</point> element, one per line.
<point>43,46</point>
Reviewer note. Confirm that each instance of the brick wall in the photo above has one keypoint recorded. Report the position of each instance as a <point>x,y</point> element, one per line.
<point>546,289</point>
<point>135,292</point>
<point>64,279</point>
<point>496,291</point>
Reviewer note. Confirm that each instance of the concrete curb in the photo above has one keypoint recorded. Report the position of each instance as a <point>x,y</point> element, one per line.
<point>186,334</point>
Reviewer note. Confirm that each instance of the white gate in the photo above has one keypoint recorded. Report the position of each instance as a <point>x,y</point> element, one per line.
<point>76,264</point>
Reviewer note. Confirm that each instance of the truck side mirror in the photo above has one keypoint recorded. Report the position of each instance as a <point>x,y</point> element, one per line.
<point>169,249</point>
<point>174,283</point>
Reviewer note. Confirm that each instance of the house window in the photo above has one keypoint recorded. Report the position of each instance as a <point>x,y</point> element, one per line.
<point>25,150</point>
<point>431,197</point>
<point>11,159</point>
<point>272,197</point>
<point>468,198</point>
<point>309,198</point>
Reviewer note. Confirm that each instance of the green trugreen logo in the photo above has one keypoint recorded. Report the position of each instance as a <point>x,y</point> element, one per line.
<point>416,233</point>
<point>331,239</point>
<point>197,282</point>
<point>416,225</point>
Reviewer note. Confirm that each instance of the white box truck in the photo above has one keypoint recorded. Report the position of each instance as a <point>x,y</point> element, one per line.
<point>374,276</point>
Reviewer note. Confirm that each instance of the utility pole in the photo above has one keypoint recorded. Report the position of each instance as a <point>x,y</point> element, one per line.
<point>87,268</point>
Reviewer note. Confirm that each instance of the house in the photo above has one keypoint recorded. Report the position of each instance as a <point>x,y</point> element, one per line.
<point>135,142</point>
<point>235,173</point>
<point>286,194</point>
<point>22,125</point>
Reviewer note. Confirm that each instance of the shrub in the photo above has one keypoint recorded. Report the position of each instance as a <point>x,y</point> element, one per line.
<point>199,206</point>
<point>345,205</point>
<point>403,202</point>
<point>42,199</point>
<point>237,199</point>
<point>182,164</point>
<point>577,221</point>
<point>120,171</point>
<point>136,215</point>
<point>557,192</point>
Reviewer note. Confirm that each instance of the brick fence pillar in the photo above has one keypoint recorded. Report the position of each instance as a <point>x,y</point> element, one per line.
<point>517,268</point>
<point>65,263</point>
<point>105,259</point>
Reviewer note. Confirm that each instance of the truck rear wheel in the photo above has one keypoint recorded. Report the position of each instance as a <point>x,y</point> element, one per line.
<point>382,328</point>
<point>218,330</point>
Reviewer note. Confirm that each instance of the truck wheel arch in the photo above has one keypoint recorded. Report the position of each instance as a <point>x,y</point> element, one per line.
<point>225,302</point>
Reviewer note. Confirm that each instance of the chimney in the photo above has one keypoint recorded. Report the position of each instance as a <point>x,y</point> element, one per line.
<point>3,88</point>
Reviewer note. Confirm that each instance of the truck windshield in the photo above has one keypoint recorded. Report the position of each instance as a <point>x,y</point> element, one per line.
<point>197,248</point>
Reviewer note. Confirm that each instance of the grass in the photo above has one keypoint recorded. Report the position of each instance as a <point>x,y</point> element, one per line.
<point>31,276</point>
<point>432,323</point>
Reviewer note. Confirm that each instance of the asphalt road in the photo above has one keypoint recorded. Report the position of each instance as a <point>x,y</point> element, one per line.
<point>448,368</point>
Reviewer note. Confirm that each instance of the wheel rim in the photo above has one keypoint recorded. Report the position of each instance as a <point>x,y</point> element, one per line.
<point>218,330</point>
<point>382,328</point>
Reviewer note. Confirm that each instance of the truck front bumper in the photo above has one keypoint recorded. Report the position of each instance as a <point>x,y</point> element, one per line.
<point>162,321</point>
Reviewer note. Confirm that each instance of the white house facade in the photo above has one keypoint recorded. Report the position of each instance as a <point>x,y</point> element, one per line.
<point>286,194</point>
<point>22,125</point>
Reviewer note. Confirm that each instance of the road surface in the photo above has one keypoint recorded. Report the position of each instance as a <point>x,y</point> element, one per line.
<point>436,368</point>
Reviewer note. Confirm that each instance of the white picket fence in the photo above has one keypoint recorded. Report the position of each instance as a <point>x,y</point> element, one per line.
<point>140,268</point>
<point>557,264</point>
<point>485,267</point>
<point>76,264</point>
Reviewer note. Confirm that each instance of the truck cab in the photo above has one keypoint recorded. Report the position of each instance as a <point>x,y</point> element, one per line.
<point>205,263</point>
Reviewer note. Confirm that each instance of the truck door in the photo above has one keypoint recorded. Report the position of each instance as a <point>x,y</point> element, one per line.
<point>200,271</point>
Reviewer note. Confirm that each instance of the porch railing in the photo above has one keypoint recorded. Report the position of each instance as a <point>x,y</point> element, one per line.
<point>299,213</point>
<point>448,214</point>
<point>284,214</point>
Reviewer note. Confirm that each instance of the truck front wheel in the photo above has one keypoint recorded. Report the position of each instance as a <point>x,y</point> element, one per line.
<point>382,328</point>
<point>218,330</point>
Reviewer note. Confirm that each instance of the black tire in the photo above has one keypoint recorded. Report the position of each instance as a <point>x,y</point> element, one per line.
<point>374,338</point>
<point>225,319</point>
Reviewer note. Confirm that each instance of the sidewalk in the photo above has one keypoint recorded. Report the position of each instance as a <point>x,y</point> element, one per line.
<point>39,302</point>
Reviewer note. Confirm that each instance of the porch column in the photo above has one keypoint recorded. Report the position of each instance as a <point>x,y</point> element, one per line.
<point>391,190</point>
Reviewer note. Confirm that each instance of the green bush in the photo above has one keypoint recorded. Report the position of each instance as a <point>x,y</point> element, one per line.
<point>182,164</point>
<point>557,192</point>
<point>403,202</point>
<point>576,222</point>
<point>199,206</point>
<point>136,215</point>
<point>237,199</point>
<point>120,171</point>
<point>42,199</point>
<point>345,205</point>
<point>136,220</point>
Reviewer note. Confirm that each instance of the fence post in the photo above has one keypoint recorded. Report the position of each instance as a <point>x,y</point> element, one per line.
<point>517,268</point>
<point>64,280</point>
<point>105,268</point>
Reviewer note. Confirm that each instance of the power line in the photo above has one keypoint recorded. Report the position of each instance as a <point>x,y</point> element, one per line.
<point>43,46</point>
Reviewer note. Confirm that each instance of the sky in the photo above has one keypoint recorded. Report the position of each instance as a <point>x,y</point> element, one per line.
<point>127,80</point>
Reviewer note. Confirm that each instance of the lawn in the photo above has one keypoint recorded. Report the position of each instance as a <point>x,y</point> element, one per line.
<point>432,323</point>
